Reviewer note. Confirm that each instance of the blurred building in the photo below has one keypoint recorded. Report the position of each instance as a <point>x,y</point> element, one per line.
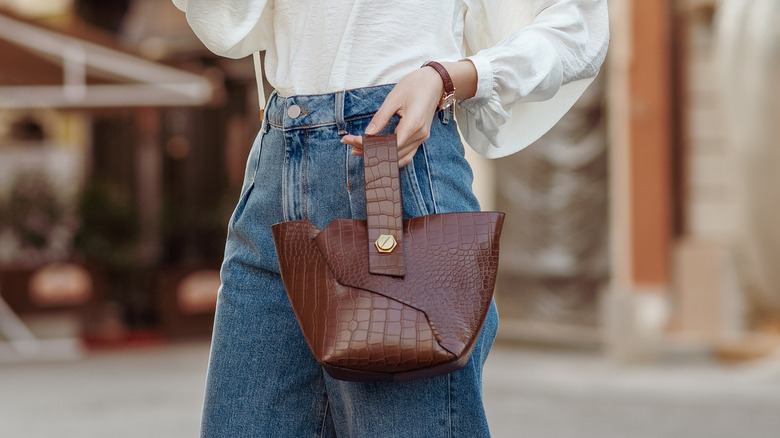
<point>644,222</point>
<point>121,146</point>
<point>693,203</point>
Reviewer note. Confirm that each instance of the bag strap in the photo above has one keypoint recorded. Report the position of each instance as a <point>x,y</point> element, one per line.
<point>384,208</point>
<point>258,62</point>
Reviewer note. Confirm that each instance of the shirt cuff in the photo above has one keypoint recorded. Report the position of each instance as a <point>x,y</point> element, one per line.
<point>485,81</point>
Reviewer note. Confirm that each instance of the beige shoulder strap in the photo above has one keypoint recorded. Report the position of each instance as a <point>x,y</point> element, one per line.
<point>259,78</point>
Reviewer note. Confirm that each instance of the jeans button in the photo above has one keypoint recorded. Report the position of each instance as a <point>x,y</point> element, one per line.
<point>294,111</point>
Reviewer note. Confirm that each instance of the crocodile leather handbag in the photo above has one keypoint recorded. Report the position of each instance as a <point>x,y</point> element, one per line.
<point>387,298</point>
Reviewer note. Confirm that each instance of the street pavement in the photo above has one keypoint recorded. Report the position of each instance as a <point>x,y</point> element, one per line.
<point>157,392</point>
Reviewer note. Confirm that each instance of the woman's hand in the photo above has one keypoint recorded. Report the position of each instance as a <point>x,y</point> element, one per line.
<point>415,98</point>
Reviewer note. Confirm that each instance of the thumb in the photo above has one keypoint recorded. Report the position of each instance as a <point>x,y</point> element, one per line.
<point>380,119</point>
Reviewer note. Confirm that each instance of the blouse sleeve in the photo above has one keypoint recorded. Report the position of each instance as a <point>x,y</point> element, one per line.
<point>534,58</point>
<point>230,28</point>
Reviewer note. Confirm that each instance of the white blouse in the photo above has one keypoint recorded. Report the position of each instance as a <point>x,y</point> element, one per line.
<point>534,58</point>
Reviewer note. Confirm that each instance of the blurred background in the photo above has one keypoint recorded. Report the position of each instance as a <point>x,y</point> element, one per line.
<point>638,289</point>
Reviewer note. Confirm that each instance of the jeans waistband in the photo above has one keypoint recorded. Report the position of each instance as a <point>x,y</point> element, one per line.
<point>305,111</point>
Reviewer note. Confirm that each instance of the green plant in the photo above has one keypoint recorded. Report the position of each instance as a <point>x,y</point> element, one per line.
<point>32,211</point>
<point>109,226</point>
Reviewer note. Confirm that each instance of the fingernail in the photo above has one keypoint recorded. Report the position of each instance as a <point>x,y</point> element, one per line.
<point>371,129</point>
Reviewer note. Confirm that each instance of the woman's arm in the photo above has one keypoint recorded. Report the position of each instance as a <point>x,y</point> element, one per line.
<point>564,41</point>
<point>230,28</point>
<point>562,44</point>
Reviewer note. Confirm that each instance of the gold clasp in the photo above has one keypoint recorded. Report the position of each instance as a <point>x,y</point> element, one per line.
<point>385,243</point>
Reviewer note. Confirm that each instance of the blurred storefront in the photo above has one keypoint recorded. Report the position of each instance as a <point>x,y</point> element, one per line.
<point>644,223</point>
<point>693,206</point>
<point>120,153</point>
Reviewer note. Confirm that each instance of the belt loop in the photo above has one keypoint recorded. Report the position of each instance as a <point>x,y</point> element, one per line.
<point>342,125</point>
<point>264,113</point>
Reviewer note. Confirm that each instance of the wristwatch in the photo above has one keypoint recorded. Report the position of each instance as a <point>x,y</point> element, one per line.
<point>448,98</point>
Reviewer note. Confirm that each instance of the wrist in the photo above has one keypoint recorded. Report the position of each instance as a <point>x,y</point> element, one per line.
<point>435,79</point>
<point>448,96</point>
<point>464,77</point>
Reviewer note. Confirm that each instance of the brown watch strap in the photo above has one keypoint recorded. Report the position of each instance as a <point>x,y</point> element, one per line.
<point>449,86</point>
<point>384,208</point>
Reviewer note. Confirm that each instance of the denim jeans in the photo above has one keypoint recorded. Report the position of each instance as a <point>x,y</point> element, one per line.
<point>263,381</point>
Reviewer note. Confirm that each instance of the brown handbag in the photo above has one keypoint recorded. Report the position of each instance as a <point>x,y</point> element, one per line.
<point>387,298</point>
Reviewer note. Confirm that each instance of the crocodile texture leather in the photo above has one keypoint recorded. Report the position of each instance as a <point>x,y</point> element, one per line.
<point>448,98</point>
<point>366,326</point>
<point>384,207</point>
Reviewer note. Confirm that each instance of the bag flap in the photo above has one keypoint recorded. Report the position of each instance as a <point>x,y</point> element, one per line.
<point>451,263</point>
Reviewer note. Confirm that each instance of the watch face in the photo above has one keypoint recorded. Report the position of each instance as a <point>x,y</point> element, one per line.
<point>447,101</point>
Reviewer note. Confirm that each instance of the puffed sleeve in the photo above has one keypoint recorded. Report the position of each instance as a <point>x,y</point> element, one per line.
<point>230,28</point>
<point>534,58</point>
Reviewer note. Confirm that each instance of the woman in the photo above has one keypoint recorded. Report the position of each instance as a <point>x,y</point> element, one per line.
<point>342,69</point>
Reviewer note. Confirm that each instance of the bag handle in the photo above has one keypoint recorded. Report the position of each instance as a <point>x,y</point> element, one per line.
<point>384,208</point>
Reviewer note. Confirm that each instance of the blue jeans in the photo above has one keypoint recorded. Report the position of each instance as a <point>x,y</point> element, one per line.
<point>263,381</point>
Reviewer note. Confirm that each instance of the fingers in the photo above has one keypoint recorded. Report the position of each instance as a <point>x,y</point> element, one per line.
<point>356,141</point>
<point>382,116</point>
<point>410,132</point>
<point>414,99</point>
<point>352,140</point>
<point>406,158</point>
<point>405,154</point>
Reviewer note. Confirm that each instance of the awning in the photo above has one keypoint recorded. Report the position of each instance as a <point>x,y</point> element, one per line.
<point>43,68</point>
